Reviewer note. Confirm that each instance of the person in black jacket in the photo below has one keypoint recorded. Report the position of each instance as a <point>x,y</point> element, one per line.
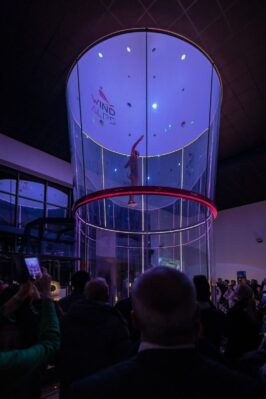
<point>78,282</point>
<point>94,335</point>
<point>167,365</point>
<point>212,320</point>
<point>242,325</point>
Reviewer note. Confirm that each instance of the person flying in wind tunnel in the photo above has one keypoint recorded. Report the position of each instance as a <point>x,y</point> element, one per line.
<point>134,172</point>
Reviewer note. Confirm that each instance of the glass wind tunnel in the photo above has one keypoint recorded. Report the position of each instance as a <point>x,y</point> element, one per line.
<point>152,207</point>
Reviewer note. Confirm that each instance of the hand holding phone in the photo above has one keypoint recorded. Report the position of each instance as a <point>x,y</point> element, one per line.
<point>43,283</point>
<point>33,266</point>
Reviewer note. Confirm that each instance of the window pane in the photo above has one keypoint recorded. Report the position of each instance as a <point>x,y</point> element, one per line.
<point>31,189</point>
<point>29,210</point>
<point>56,212</point>
<point>8,185</point>
<point>56,196</point>
<point>7,209</point>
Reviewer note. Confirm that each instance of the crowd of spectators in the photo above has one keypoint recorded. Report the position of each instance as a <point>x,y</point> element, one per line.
<point>171,335</point>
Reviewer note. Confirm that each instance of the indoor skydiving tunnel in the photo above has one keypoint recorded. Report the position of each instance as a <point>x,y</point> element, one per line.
<point>144,112</point>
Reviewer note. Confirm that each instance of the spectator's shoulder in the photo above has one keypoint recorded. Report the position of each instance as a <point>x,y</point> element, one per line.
<point>109,382</point>
<point>228,380</point>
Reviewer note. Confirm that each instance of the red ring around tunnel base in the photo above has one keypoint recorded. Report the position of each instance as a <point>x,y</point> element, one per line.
<point>145,190</point>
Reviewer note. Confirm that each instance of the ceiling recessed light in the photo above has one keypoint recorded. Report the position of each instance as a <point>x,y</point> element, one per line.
<point>183,57</point>
<point>148,178</point>
<point>115,170</point>
<point>100,54</point>
<point>179,164</point>
<point>169,125</point>
<point>192,122</point>
<point>154,105</point>
<point>128,49</point>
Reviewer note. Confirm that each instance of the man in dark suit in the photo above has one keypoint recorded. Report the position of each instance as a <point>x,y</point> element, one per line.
<point>167,365</point>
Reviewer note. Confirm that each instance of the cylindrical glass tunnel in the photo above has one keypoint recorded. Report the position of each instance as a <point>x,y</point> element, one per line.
<point>144,112</point>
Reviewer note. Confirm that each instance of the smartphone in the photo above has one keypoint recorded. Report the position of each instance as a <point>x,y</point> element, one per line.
<point>33,266</point>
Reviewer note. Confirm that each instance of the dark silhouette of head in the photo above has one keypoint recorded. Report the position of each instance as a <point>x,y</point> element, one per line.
<point>202,288</point>
<point>136,153</point>
<point>164,307</point>
<point>79,280</point>
<point>97,290</point>
<point>244,293</point>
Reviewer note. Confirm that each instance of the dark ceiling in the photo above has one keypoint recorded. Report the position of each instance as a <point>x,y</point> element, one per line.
<point>41,39</point>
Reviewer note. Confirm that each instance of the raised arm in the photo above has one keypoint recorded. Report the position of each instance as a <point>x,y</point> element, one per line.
<point>127,164</point>
<point>135,145</point>
<point>17,300</point>
<point>24,361</point>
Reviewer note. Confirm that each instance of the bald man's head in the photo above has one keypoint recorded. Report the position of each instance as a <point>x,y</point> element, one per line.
<point>164,306</point>
<point>97,290</point>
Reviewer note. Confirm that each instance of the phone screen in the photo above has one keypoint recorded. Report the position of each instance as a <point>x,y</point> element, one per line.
<point>33,266</point>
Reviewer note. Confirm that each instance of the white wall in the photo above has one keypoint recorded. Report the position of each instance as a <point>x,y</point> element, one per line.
<point>236,248</point>
<point>25,158</point>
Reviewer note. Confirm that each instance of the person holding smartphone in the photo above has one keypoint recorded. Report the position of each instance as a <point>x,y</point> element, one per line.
<point>19,368</point>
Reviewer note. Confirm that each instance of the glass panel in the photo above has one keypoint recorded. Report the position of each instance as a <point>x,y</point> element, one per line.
<point>75,134</point>
<point>56,212</point>
<point>29,210</point>
<point>93,165</point>
<point>31,189</point>
<point>165,170</point>
<point>7,209</point>
<point>8,185</point>
<point>117,170</point>
<point>214,134</point>
<point>195,163</point>
<point>8,179</point>
<point>56,196</point>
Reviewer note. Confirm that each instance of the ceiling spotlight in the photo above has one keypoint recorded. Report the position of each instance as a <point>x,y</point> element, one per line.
<point>183,57</point>
<point>192,122</point>
<point>154,106</point>
<point>115,170</point>
<point>169,125</point>
<point>148,178</point>
<point>179,164</point>
<point>100,54</point>
<point>128,49</point>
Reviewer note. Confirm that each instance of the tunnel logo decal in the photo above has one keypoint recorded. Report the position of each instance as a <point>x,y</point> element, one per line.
<point>103,109</point>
